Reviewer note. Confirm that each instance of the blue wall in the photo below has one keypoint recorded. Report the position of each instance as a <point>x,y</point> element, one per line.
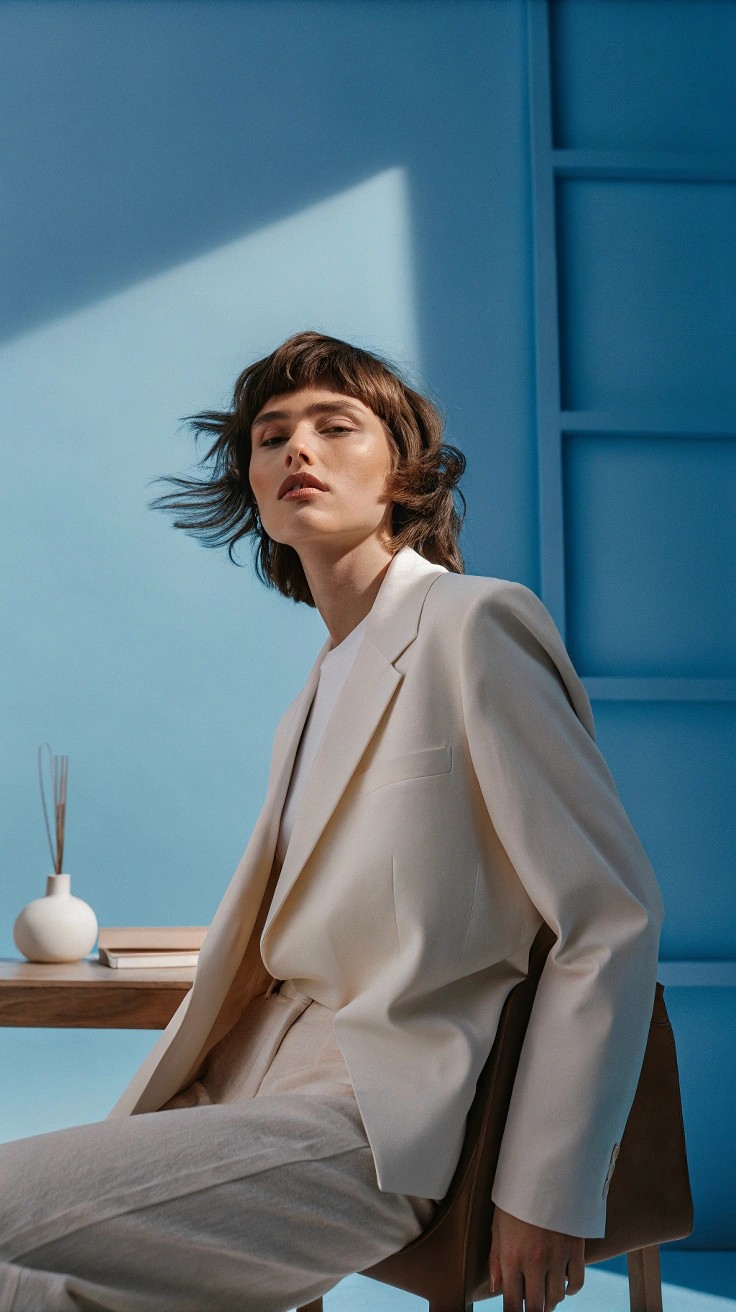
<point>189,184</point>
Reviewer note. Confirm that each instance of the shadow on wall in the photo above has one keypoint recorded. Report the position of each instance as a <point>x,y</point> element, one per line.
<point>140,136</point>
<point>144,134</point>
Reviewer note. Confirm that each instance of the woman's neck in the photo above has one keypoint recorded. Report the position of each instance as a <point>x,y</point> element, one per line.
<point>345,589</point>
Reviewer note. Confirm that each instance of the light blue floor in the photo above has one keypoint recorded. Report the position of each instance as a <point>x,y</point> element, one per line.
<point>691,1282</point>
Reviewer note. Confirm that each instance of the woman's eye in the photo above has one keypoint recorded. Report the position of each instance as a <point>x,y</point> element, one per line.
<point>338,428</point>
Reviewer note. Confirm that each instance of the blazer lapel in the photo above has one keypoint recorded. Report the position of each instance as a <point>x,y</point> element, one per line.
<point>392,624</point>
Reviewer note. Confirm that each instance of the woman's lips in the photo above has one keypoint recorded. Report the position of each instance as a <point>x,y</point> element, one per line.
<point>301,493</point>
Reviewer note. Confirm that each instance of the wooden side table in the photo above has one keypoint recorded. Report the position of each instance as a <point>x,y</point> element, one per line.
<point>87,995</point>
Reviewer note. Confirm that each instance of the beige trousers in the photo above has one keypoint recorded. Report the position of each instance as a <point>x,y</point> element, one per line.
<point>252,1190</point>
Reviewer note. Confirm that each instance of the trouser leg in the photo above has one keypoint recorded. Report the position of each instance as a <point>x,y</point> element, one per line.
<point>251,1209</point>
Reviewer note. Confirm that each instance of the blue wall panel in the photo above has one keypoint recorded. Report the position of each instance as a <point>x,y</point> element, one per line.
<point>669,760</point>
<point>650,554</point>
<point>644,74</point>
<point>633,124</point>
<point>703,1022</point>
<point>647,294</point>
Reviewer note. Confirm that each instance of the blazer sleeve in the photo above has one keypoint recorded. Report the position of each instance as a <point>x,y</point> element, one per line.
<point>554,805</point>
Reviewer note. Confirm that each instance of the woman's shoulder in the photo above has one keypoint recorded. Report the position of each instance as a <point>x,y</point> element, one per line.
<point>476,607</point>
<point>456,594</point>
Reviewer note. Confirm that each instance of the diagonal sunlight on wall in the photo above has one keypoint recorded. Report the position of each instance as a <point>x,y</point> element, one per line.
<point>159,667</point>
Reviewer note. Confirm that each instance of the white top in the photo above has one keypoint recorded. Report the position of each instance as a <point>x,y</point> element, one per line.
<point>333,671</point>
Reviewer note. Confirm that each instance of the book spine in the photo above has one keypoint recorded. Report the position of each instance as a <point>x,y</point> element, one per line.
<point>152,960</point>
<point>152,938</point>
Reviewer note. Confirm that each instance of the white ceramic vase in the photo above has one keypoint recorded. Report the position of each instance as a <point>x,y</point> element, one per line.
<point>57,927</point>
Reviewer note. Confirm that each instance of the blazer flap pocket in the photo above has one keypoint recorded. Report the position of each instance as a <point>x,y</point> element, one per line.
<point>412,765</point>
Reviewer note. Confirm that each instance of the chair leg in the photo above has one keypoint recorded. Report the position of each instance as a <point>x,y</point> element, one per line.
<point>314,1306</point>
<point>645,1281</point>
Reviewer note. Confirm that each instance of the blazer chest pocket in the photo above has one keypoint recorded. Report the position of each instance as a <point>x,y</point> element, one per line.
<point>412,765</point>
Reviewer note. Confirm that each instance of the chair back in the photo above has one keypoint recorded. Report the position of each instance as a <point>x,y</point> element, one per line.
<point>649,1199</point>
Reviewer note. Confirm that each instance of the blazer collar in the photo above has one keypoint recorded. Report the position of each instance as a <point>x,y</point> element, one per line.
<point>393,623</point>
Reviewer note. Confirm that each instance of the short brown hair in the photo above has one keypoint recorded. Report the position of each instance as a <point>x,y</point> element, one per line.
<point>424,470</point>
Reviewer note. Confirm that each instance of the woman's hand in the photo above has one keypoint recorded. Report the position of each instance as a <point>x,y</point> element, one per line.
<point>528,1264</point>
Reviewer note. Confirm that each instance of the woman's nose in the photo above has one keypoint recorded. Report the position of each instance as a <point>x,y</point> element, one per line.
<point>300,441</point>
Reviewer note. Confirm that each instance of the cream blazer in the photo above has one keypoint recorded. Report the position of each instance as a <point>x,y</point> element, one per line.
<point>457,800</point>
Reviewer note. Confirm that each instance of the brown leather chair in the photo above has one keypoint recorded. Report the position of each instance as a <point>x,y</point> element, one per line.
<point>649,1199</point>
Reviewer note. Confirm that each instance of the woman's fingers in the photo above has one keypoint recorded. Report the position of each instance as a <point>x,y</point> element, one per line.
<point>530,1289</point>
<point>554,1286</point>
<point>528,1264</point>
<point>513,1291</point>
<point>576,1271</point>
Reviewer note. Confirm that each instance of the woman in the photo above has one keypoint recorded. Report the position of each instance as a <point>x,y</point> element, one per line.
<point>435,794</point>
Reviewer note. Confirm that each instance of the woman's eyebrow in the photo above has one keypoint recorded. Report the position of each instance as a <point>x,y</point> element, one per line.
<point>319,407</point>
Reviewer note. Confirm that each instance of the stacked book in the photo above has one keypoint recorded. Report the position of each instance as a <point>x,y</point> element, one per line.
<point>127,946</point>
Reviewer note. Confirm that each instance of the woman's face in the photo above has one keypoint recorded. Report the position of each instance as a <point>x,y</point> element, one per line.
<point>340,442</point>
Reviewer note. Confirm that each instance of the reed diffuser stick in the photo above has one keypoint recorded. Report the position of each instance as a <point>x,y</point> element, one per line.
<point>57,926</point>
<point>59,774</point>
